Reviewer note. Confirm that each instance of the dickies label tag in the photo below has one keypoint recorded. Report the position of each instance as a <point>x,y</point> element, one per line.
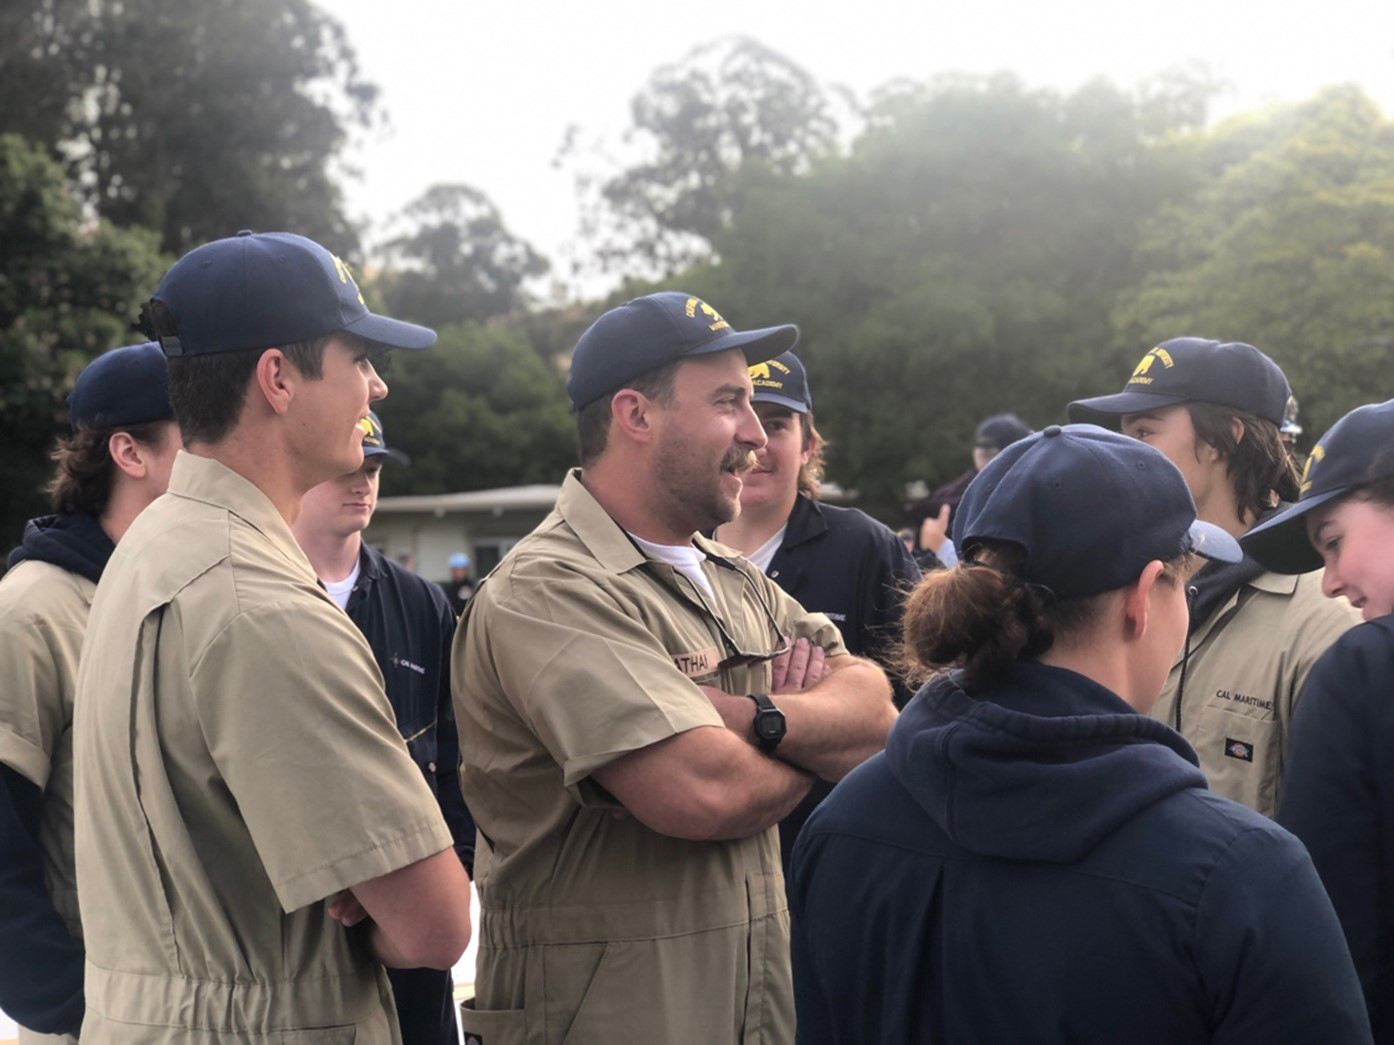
<point>1240,749</point>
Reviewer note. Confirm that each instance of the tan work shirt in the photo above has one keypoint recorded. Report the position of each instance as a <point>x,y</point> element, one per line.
<point>43,614</point>
<point>237,764</point>
<point>576,651</point>
<point>1248,664</point>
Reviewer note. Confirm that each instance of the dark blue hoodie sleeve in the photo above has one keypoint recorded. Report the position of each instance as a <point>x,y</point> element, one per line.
<point>1272,960</point>
<point>1338,796</point>
<point>40,963</point>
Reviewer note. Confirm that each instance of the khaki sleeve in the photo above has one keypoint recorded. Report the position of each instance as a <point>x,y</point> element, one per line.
<point>591,682</point>
<point>799,622</point>
<point>38,659</point>
<point>293,711</point>
<point>1319,623</point>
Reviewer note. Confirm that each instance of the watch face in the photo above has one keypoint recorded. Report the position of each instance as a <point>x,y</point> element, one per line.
<point>769,726</point>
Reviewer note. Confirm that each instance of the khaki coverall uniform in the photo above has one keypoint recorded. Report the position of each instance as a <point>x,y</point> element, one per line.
<point>237,765</point>
<point>594,928</point>
<point>43,614</point>
<point>1248,664</point>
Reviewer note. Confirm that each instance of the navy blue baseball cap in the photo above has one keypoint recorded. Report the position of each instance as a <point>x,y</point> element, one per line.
<point>125,386</point>
<point>782,381</point>
<point>1194,370</point>
<point>1089,507</point>
<point>263,290</point>
<point>375,443</point>
<point>1000,431</point>
<point>1357,450</point>
<point>655,330</point>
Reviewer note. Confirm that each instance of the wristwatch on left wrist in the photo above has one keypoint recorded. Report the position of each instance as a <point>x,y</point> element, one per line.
<point>769,723</point>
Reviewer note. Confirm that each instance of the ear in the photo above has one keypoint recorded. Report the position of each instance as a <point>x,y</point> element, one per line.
<point>632,415</point>
<point>1236,428</point>
<point>128,455</point>
<point>1138,601</point>
<point>275,378</point>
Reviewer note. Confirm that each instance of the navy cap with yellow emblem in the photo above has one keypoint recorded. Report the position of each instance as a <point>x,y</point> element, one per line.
<point>1357,450</point>
<point>1194,370</point>
<point>782,381</point>
<point>655,330</point>
<point>375,443</point>
<point>265,290</point>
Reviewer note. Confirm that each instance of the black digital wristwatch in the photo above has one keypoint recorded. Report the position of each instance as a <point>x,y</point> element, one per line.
<point>769,723</point>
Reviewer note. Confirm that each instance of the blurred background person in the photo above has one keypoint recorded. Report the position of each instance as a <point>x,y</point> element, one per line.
<point>836,561</point>
<point>1338,791</point>
<point>116,461</point>
<point>1033,859</point>
<point>1214,409</point>
<point>935,514</point>
<point>409,625</point>
<point>459,589</point>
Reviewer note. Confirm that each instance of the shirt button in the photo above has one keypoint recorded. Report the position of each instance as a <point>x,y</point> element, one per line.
<point>431,766</point>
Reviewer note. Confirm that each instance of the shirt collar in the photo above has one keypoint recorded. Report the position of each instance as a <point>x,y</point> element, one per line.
<point>211,482</point>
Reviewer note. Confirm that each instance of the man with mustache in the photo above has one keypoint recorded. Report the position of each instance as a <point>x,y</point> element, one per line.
<point>639,706</point>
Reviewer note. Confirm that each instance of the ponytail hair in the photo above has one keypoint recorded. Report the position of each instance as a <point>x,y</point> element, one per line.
<point>982,617</point>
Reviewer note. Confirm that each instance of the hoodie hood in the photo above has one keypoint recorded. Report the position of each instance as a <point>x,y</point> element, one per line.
<point>1042,766</point>
<point>76,543</point>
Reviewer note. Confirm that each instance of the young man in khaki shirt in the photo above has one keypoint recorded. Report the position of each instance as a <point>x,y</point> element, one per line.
<point>252,837</point>
<point>1214,408</point>
<point>630,730</point>
<point>114,463</point>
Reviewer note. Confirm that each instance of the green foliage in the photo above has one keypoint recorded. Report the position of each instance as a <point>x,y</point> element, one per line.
<point>962,260</point>
<point>727,107</point>
<point>1289,245</point>
<point>195,119</point>
<point>68,290</point>
<point>480,410</point>
<point>457,261</point>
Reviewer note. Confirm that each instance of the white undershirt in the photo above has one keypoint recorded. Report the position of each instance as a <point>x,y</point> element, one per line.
<point>340,591</point>
<point>764,555</point>
<point>687,559</point>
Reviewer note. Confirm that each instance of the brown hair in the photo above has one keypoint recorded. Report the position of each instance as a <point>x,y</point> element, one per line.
<point>208,391</point>
<point>982,616</point>
<point>811,473</point>
<point>1258,465</point>
<point>81,482</point>
<point>593,419</point>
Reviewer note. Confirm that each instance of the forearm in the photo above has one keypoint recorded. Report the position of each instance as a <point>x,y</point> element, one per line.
<point>839,723</point>
<point>704,784</point>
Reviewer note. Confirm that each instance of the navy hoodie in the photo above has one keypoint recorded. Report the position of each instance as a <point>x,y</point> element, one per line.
<point>40,963</point>
<point>1040,863</point>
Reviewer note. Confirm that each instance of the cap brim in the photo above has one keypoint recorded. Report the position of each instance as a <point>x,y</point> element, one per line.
<point>388,452</point>
<point>392,332</point>
<point>1281,544</point>
<point>1105,411</point>
<point>779,400</point>
<point>1210,542</point>
<point>759,346</point>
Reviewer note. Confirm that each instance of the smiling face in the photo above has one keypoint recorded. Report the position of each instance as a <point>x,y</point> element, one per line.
<point>704,442</point>
<point>1355,539</point>
<point>326,430</point>
<point>773,484</point>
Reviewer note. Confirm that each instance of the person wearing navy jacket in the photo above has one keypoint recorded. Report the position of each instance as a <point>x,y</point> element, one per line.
<point>837,561</point>
<point>409,625</point>
<point>1033,858</point>
<point>1338,794</point>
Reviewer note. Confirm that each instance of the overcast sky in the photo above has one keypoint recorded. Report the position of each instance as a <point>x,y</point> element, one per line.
<point>483,93</point>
